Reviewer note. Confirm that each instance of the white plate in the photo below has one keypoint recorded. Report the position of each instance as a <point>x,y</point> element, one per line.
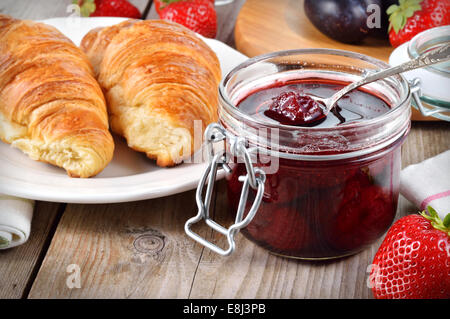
<point>129,177</point>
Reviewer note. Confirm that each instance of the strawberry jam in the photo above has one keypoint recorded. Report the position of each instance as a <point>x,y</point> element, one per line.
<point>319,209</point>
<point>292,108</point>
<point>289,103</point>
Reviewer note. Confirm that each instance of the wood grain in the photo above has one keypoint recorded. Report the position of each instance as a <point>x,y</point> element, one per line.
<point>19,265</point>
<point>129,250</point>
<point>266,26</point>
<point>426,139</point>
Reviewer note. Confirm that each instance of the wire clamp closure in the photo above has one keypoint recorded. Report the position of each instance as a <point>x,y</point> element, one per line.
<point>416,94</point>
<point>255,179</point>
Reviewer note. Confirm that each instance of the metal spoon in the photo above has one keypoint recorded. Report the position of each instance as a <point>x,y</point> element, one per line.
<point>437,55</point>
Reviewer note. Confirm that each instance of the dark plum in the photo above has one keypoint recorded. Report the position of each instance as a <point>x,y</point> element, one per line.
<point>341,20</point>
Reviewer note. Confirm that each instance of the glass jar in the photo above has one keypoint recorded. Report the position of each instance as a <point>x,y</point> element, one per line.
<point>307,192</point>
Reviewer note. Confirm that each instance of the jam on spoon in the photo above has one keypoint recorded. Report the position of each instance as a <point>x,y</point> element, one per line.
<point>293,108</point>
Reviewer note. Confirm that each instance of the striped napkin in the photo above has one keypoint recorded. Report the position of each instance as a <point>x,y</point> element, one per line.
<point>15,220</point>
<point>428,183</point>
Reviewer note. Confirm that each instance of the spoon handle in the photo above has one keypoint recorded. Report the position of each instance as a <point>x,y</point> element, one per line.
<point>438,55</point>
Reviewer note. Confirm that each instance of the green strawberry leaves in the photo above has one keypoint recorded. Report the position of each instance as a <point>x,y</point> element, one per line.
<point>86,7</point>
<point>165,3</point>
<point>169,1</point>
<point>436,221</point>
<point>446,221</point>
<point>3,242</point>
<point>399,14</point>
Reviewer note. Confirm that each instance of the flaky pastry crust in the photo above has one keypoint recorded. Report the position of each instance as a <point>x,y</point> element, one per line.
<point>51,106</point>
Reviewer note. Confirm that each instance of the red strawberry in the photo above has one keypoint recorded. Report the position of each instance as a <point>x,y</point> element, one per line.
<point>363,214</point>
<point>411,17</point>
<point>158,5</point>
<point>197,15</point>
<point>161,4</point>
<point>413,262</point>
<point>108,8</point>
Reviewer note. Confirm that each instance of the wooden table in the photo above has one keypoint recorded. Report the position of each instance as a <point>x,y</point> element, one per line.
<point>140,250</point>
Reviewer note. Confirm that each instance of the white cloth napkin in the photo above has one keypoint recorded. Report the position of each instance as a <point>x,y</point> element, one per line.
<point>428,183</point>
<point>15,220</point>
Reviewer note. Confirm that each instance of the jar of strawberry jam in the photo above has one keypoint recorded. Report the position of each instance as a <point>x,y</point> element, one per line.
<point>301,184</point>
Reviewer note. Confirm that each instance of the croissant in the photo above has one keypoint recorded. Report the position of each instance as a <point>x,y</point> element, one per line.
<point>158,78</point>
<point>51,106</point>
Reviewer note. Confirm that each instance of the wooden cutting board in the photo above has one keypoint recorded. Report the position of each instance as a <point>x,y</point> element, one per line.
<point>272,25</point>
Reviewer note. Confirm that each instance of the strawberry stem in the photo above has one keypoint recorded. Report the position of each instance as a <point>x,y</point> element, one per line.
<point>436,221</point>
<point>165,3</point>
<point>447,220</point>
<point>86,7</point>
<point>399,14</point>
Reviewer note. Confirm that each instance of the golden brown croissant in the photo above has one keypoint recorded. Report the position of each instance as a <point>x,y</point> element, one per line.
<point>51,106</point>
<point>158,78</point>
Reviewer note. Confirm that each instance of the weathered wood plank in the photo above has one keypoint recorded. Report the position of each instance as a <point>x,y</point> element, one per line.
<point>425,140</point>
<point>37,10</point>
<point>129,250</point>
<point>19,265</point>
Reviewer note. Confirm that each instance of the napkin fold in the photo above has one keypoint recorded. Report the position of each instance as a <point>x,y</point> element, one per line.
<point>428,183</point>
<point>15,220</point>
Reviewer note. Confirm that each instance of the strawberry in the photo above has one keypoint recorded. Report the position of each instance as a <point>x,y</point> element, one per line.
<point>413,261</point>
<point>411,17</point>
<point>161,4</point>
<point>364,212</point>
<point>197,15</point>
<point>108,8</point>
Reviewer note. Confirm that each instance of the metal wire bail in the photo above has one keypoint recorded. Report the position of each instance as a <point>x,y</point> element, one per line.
<point>255,178</point>
<point>416,94</point>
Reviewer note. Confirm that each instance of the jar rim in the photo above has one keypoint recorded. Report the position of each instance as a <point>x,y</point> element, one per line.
<point>400,107</point>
